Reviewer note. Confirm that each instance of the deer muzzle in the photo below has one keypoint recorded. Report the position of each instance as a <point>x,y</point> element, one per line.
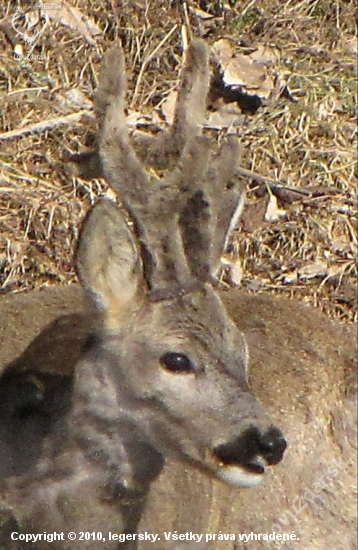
<point>244,460</point>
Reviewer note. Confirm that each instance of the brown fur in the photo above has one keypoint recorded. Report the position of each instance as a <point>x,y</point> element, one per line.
<point>302,369</point>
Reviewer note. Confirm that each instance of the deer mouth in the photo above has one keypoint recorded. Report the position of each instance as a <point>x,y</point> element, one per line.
<point>244,460</point>
<point>240,475</point>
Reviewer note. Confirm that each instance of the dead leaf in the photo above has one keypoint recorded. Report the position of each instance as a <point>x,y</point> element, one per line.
<point>76,97</point>
<point>329,106</point>
<point>341,244</point>
<point>290,278</point>
<point>227,115</point>
<point>266,55</point>
<point>241,70</point>
<point>74,19</point>
<point>223,50</point>
<point>234,269</point>
<point>312,270</point>
<point>201,14</point>
<point>224,116</point>
<point>273,212</point>
<point>253,216</point>
<point>168,107</point>
<point>336,270</point>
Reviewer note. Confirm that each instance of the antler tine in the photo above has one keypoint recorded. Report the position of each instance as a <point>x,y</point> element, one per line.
<point>112,83</point>
<point>189,112</point>
<point>229,196</point>
<point>205,220</point>
<point>121,167</point>
<point>191,102</point>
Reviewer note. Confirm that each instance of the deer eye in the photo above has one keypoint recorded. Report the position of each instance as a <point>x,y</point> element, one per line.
<point>177,362</point>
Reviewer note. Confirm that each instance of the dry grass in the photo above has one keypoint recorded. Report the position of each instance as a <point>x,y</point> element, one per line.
<point>309,144</point>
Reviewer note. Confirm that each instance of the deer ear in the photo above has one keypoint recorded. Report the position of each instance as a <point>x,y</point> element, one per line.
<point>108,261</point>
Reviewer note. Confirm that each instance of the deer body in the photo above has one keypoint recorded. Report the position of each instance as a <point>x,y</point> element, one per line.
<point>310,394</point>
<point>109,445</point>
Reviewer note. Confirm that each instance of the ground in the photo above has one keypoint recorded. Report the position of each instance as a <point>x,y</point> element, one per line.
<point>304,140</point>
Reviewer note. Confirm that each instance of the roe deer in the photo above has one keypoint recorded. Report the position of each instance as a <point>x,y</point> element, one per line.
<point>164,374</point>
<point>302,367</point>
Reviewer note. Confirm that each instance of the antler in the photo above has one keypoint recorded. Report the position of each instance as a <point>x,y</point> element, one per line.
<point>182,219</point>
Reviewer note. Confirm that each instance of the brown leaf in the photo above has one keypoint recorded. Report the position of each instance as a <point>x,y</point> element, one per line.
<point>74,19</point>
<point>201,14</point>
<point>168,107</point>
<point>242,70</point>
<point>226,115</point>
<point>266,55</point>
<point>312,270</point>
<point>234,269</point>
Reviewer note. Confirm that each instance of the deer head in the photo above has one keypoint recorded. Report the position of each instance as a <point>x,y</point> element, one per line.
<point>165,372</point>
<point>169,369</point>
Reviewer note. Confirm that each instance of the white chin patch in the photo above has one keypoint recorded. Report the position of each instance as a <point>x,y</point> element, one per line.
<point>234,475</point>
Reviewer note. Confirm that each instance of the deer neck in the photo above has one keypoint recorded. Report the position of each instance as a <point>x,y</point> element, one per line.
<point>108,435</point>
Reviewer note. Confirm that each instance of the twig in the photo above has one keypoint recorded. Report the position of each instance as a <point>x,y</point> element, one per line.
<point>272,184</point>
<point>45,125</point>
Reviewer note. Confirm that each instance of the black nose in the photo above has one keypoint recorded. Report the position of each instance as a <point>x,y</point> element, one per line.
<point>251,446</point>
<point>274,444</point>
